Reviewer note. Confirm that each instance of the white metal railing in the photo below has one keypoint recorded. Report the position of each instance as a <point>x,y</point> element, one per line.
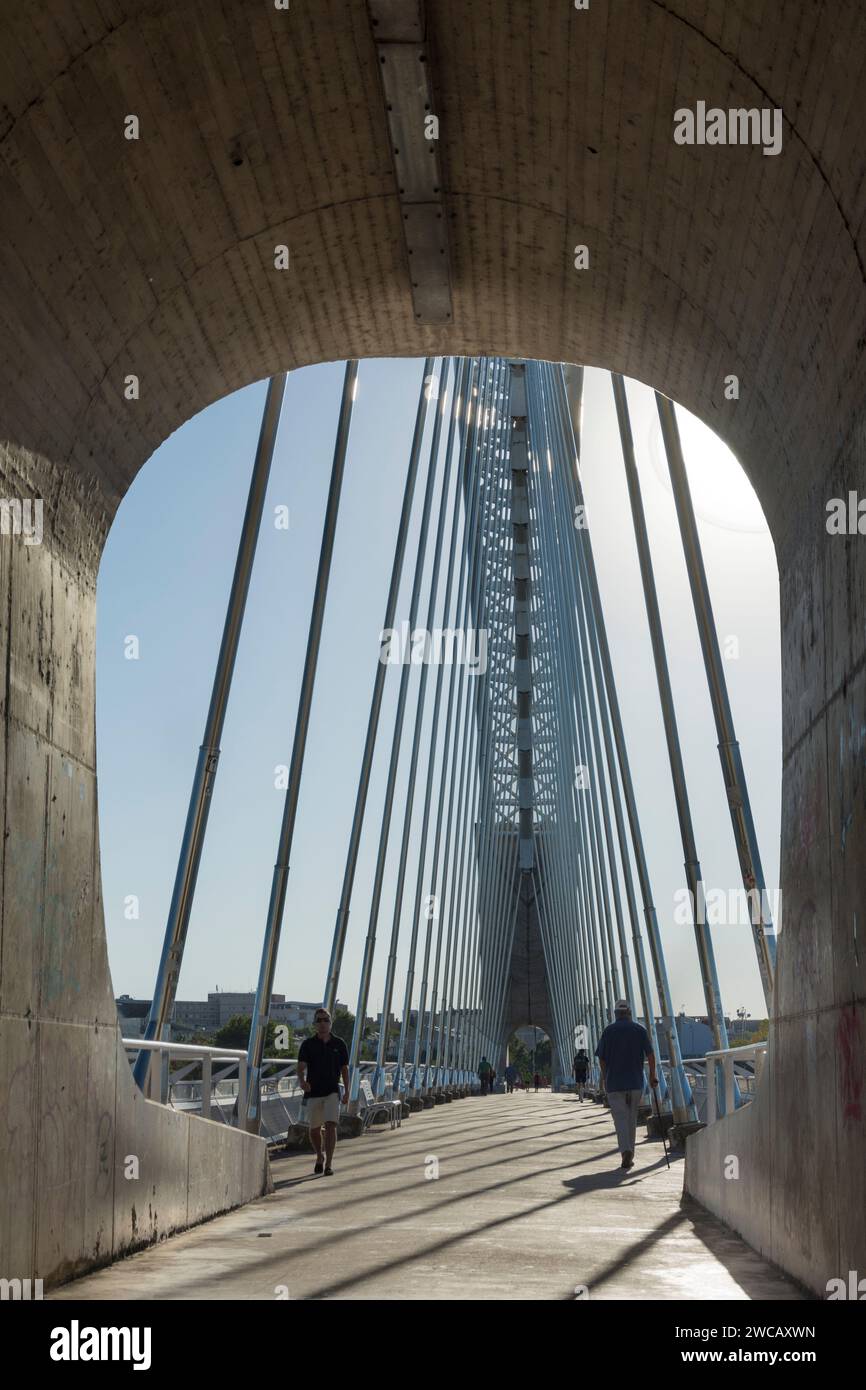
<point>160,1078</point>
<point>747,1083</point>
<point>223,1078</point>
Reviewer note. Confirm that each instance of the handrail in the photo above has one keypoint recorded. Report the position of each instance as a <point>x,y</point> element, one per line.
<point>727,1057</point>
<point>220,1085</point>
<point>193,1051</point>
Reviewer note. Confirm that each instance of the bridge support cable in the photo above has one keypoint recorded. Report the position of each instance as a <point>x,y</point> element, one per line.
<point>494,857</point>
<point>733,772</point>
<point>496,854</point>
<point>588,688</point>
<point>509,694</point>
<point>694,878</point>
<point>571,723</point>
<point>462,414</point>
<point>569,698</point>
<point>598,910</point>
<point>556,914</point>
<point>515,769</point>
<point>249,1104</point>
<point>569,398</point>
<point>466,896</point>
<point>580,599</point>
<point>453,494</point>
<point>556,917</point>
<point>422,1081</point>
<point>444,890</point>
<point>492,704</point>
<point>342,919</point>
<point>393,766</point>
<point>498,922</point>
<point>180,909</point>
<point>379,1073</point>
<point>455,875</point>
<point>566,697</point>
<point>591,660</point>
<point>538,745</point>
<point>594,682</point>
<point>552,932</point>
<point>491,582</point>
<point>462,781</point>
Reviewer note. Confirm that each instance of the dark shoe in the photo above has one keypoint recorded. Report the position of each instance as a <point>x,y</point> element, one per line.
<point>329,1172</point>
<point>319,1166</point>
<point>627,1159</point>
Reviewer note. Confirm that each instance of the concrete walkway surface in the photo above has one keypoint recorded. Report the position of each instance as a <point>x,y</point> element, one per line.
<point>529,1203</point>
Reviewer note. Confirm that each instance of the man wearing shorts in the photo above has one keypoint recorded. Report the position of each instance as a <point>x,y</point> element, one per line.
<point>322,1061</point>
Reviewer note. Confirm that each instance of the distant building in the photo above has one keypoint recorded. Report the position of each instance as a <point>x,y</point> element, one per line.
<point>209,1015</point>
<point>194,1015</point>
<point>297,1013</point>
<point>696,1035</point>
<point>132,1015</point>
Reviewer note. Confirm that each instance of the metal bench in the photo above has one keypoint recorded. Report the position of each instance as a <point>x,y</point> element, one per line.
<point>393,1109</point>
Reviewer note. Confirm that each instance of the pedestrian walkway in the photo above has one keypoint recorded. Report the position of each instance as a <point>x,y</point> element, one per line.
<point>529,1203</point>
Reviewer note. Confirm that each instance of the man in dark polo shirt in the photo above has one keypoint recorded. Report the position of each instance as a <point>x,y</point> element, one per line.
<point>322,1061</point>
<point>621,1050</point>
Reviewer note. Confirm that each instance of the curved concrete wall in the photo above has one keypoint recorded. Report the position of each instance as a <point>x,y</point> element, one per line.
<point>71,1196</point>
<point>155,257</point>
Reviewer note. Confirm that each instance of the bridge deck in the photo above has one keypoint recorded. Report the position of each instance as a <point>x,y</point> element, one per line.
<point>529,1204</point>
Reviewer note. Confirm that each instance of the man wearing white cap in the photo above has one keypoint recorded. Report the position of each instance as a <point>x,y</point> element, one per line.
<point>621,1050</point>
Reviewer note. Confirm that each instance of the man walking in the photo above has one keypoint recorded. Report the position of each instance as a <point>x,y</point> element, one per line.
<point>581,1067</point>
<point>484,1071</point>
<point>322,1061</point>
<point>621,1050</point>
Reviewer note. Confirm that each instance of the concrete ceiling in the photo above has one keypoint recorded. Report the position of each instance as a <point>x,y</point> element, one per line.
<point>260,126</point>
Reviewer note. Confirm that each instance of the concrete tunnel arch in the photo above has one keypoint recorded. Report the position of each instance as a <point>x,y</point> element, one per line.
<point>155,258</point>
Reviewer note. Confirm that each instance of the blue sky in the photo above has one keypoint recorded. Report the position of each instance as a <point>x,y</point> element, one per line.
<point>165,577</point>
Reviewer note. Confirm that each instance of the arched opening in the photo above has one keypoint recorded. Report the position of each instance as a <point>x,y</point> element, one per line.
<point>157,648</point>
<point>530,1052</point>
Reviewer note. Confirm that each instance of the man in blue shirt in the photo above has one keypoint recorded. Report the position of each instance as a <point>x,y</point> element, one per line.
<point>621,1050</point>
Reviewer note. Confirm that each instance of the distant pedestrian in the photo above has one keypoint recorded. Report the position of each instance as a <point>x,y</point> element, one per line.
<point>492,1079</point>
<point>537,1079</point>
<point>484,1074</point>
<point>581,1068</point>
<point>621,1050</point>
<point>510,1077</point>
<point>322,1061</point>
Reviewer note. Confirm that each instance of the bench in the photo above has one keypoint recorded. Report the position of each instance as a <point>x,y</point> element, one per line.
<point>392,1109</point>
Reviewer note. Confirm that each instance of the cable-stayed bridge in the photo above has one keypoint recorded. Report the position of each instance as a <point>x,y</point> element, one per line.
<point>198,198</point>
